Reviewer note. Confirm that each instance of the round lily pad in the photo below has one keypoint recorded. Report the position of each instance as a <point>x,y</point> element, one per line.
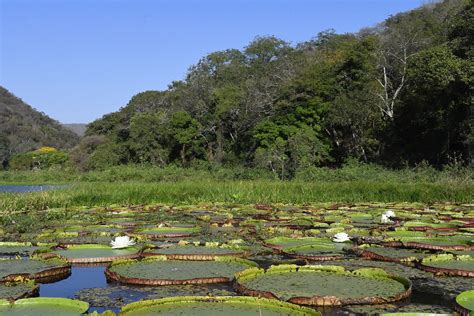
<point>323,285</point>
<point>465,303</point>
<point>448,264</point>
<point>17,290</point>
<point>192,252</point>
<point>42,270</point>
<point>279,243</point>
<point>43,306</point>
<point>390,254</point>
<point>319,251</point>
<point>456,242</point>
<point>159,270</point>
<point>16,248</point>
<point>167,232</point>
<point>220,305</point>
<point>95,253</point>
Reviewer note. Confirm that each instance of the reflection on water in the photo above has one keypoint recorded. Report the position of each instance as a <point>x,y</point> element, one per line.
<point>27,188</point>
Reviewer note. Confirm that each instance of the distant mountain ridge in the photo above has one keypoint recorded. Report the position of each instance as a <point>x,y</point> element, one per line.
<point>22,128</point>
<point>78,128</point>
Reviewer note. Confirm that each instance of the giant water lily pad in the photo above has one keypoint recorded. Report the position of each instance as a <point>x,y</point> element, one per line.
<point>318,251</point>
<point>17,290</point>
<point>465,303</point>
<point>161,271</point>
<point>456,242</point>
<point>168,232</point>
<point>16,248</point>
<point>390,254</point>
<point>192,252</point>
<point>286,242</point>
<point>323,285</point>
<point>95,253</point>
<point>448,264</point>
<point>96,229</point>
<point>223,305</point>
<point>39,269</point>
<point>39,306</point>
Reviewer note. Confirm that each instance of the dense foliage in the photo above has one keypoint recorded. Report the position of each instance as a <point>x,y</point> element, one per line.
<point>23,129</point>
<point>42,158</point>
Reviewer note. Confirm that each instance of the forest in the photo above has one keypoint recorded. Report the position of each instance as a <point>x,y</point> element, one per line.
<point>397,94</point>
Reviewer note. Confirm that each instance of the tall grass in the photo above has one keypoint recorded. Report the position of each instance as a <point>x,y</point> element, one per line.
<point>131,185</point>
<point>242,192</point>
<point>349,172</point>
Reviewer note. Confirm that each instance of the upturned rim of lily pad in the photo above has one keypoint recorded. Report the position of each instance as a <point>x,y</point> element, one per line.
<point>270,243</point>
<point>367,254</point>
<point>317,300</point>
<point>33,289</point>
<point>244,300</point>
<point>114,276</point>
<point>460,304</point>
<point>103,259</point>
<point>81,306</point>
<point>293,252</point>
<point>180,232</point>
<point>425,266</point>
<point>203,256</point>
<point>48,275</point>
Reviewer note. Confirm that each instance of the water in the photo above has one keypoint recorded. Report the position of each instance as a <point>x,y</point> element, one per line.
<point>111,296</point>
<point>27,188</point>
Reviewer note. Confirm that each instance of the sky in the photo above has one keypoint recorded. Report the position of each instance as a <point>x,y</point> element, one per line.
<point>76,60</point>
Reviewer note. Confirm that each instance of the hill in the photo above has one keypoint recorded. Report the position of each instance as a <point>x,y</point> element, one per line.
<point>78,128</point>
<point>22,128</point>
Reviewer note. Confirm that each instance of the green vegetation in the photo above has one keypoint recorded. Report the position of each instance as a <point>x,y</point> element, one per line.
<point>399,93</point>
<point>23,129</point>
<point>42,158</point>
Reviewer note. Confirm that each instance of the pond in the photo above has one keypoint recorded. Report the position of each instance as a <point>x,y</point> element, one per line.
<point>27,188</point>
<point>418,239</point>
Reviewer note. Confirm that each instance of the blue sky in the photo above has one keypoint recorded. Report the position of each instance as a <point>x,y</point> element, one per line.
<point>76,60</point>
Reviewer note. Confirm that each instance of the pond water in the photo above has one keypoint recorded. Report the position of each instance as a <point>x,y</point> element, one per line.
<point>27,188</point>
<point>88,283</point>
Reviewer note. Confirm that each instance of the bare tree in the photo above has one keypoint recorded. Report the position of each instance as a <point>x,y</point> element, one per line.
<point>396,47</point>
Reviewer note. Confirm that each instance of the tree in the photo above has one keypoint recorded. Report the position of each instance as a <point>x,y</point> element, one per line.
<point>432,124</point>
<point>186,136</point>
<point>149,137</point>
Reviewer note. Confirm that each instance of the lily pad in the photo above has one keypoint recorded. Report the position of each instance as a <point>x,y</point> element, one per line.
<point>220,305</point>
<point>159,270</point>
<point>192,252</point>
<point>168,232</point>
<point>448,264</point>
<point>16,248</point>
<point>43,306</point>
<point>323,285</point>
<point>390,254</point>
<point>282,242</point>
<point>318,251</point>
<point>43,270</point>
<point>17,290</point>
<point>95,253</point>
<point>465,303</point>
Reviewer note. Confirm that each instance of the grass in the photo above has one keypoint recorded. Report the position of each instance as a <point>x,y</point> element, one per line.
<point>135,185</point>
<point>239,192</point>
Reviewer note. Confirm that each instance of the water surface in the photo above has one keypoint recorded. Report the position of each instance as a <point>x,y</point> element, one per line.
<point>27,188</point>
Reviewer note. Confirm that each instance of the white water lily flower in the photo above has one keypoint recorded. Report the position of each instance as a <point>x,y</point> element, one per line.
<point>122,242</point>
<point>385,219</point>
<point>341,237</point>
<point>389,213</point>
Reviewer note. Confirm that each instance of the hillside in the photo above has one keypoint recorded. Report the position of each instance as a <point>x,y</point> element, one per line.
<point>78,128</point>
<point>23,128</point>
